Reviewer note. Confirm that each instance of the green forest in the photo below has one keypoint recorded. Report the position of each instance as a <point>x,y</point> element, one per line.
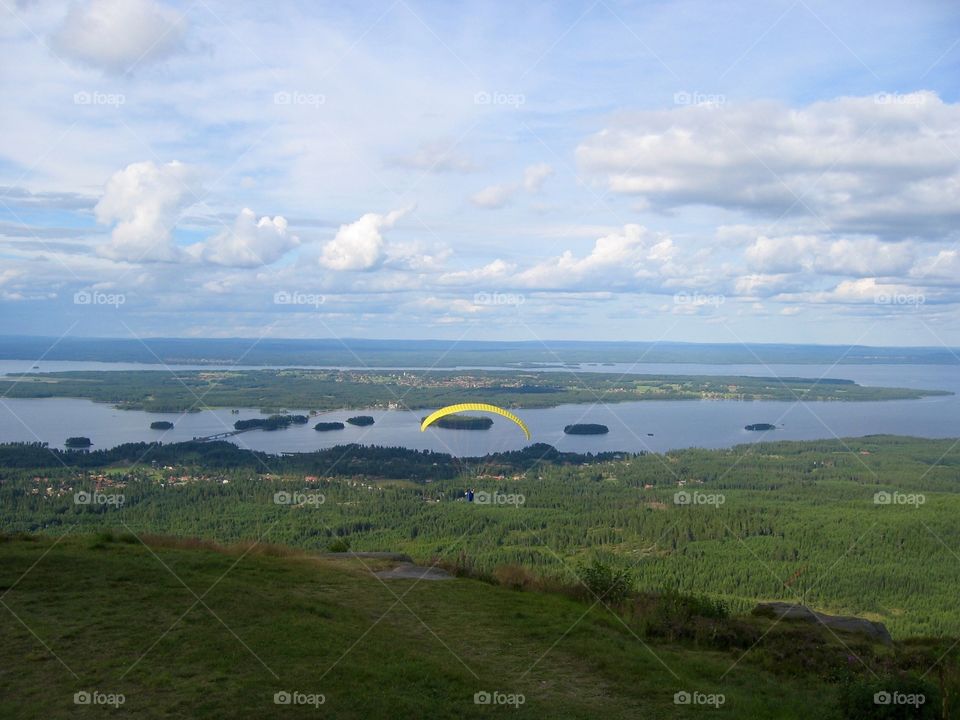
<point>274,390</point>
<point>863,526</point>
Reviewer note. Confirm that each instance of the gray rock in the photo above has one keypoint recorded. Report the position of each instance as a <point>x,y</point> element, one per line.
<point>842,623</point>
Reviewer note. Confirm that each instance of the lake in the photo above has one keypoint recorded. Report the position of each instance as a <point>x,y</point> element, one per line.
<point>634,426</point>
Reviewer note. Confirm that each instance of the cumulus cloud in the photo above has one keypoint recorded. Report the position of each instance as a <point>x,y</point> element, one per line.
<point>145,200</point>
<point>360,245</point>
<point>860,164</point>
<point>249,243</point>
<point>861,256</point>
<point>117,35</point>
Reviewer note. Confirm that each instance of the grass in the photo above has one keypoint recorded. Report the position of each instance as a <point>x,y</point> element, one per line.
<point>191,629</point>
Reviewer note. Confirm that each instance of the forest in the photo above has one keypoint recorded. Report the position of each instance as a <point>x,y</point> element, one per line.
<point>863,526</point>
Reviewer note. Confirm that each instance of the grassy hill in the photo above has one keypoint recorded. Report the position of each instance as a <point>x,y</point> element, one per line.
<point>187,629</point>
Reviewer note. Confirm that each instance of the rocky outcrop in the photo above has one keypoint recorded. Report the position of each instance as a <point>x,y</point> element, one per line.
<point>842,623</point>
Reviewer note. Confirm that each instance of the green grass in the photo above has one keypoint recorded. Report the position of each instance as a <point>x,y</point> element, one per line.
<point>125,619</point>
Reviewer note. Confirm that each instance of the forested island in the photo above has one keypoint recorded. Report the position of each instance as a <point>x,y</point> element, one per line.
<point>78,442</point>
<point>161,425</point>
<point>324,390</point>
<point>586,429</point>
<point>327,426</point>
<point>756,427</point>
<point>361,420</point>
<point>463,422</point>
<point>274,422</point>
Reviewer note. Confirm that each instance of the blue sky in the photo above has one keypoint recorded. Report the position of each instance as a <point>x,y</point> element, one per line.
<point>724,172</point>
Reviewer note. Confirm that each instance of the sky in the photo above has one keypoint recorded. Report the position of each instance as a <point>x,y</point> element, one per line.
<point>775,171</point>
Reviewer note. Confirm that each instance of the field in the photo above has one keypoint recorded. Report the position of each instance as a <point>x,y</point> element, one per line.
<point>189,630</point>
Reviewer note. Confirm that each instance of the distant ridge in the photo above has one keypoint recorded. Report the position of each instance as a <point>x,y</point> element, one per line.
<point>353,352</point>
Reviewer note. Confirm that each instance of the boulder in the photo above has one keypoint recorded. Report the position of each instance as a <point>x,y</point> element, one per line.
<point>842,623</point>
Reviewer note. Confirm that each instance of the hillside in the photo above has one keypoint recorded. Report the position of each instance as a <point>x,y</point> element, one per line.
<point>186,629</point>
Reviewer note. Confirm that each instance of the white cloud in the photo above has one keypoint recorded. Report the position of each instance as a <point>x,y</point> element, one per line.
<point>249,243</point>
<point>360,244</point>
<point>859,256</point>
<point>860,165</point>
<point>493,196</point>
<point>117,35</point>
<point>535,175</point>
<point>145,200</point>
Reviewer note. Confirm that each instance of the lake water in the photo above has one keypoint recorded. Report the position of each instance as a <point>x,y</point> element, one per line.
<point>634,426</point>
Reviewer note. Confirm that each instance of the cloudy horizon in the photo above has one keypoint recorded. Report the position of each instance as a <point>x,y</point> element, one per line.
<point>761,172</point>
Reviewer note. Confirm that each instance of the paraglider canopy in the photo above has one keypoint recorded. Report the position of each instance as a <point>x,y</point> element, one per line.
<point>477,407</point>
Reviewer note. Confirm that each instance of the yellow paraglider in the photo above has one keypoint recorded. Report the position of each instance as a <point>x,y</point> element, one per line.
<point>478,407</point>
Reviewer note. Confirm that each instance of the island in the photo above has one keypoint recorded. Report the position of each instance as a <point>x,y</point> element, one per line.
<point>463,422</point>
<point>274,422</point>
<point>161,425</point>
<point>78,442</point>
<point>760,427</point>
<point>360,420</point>
<point>328,390</point>
<point>325,426</point>
<point>586,429</point>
